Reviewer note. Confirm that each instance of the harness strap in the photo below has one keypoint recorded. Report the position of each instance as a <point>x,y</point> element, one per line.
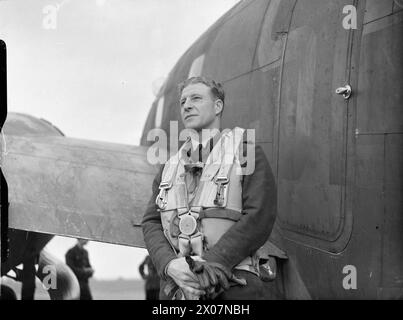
<point>220,214</point>
<point>191,245</point>
<point>168,177</point>
<point>228,150</point>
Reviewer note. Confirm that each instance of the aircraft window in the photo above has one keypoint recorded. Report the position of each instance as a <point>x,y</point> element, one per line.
<point>197,66</point>
<point>159,112</point>
<point>234,46</point>
<point>269,49</point>
<point>377,9</point>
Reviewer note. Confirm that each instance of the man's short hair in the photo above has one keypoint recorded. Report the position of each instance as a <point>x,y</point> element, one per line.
<point>216,88</point>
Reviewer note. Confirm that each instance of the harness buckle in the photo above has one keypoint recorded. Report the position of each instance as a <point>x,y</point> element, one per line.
<point>221,179</point>
<point>187,225</point>
<point>162,199</point>
<point>221,182</point>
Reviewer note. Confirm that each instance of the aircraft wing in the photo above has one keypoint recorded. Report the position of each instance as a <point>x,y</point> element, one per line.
<point>77,188</point>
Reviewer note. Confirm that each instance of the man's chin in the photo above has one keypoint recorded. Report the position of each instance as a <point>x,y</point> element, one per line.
<point>192,126</point>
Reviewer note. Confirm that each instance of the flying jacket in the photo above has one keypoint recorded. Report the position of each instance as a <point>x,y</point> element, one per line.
<point>242,239</point>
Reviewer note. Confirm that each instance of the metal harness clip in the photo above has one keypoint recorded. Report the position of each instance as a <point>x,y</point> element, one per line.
<point>221,185</point>
<point>162,200</point>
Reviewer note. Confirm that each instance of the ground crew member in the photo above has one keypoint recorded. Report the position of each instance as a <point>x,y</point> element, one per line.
<point>152,286</point>
<point>77,259</point>
<point>207,219</point>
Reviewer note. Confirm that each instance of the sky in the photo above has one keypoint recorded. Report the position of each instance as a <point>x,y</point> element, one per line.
<point>89,67</point>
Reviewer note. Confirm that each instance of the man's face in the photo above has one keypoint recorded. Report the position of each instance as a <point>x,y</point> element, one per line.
<point>198,107</point>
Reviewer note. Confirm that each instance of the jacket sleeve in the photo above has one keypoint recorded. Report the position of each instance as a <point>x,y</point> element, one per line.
<point>157,245</point>
<point>259,199</point>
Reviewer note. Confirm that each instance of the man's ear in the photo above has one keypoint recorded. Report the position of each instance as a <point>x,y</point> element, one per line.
<point>219,105</point>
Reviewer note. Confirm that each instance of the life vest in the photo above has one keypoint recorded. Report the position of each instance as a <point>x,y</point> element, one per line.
<point>192,228</point>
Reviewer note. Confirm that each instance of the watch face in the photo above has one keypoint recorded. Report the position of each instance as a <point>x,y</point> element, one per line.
<point>187,225</point>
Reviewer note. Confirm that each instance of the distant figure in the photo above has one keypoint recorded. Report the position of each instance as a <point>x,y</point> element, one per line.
<point>77,260</point>
<point>152,280</point>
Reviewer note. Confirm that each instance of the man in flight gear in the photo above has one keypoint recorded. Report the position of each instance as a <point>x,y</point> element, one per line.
<point>210,214</point>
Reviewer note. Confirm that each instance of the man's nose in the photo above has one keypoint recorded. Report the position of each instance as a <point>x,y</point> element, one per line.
<point>188,105</point>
